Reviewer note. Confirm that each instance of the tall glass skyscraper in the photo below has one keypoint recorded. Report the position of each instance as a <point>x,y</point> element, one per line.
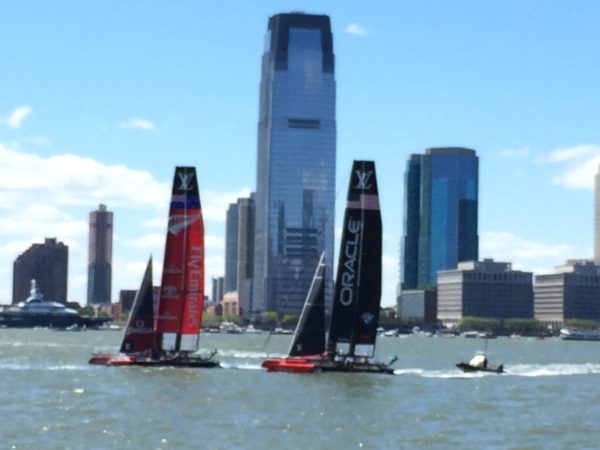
<point>295,190</point>
<point>440,216</point>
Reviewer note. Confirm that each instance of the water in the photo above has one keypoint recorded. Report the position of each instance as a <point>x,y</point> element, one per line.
<point>549,397</point>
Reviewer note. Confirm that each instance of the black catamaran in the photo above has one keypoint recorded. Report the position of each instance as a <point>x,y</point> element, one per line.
<point>355,314</point>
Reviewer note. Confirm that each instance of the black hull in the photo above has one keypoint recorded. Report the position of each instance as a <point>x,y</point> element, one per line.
<point>25,320</point>
<point>469,368</point>
<point>325,365</point>
<point>178,362</point>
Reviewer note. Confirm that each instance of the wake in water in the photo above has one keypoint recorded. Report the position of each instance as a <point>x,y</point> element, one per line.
<point>519,370</point>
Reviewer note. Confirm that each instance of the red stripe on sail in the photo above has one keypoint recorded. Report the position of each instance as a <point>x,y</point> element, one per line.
<point>365,201</point>
<point>193,298</point>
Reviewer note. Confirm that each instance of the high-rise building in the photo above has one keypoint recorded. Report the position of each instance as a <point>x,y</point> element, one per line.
<point>231,248</point>
<point>100,256</point>
<point>597,218</point>
<point>245,254</point>
<point>48,264</point>
<point>217,289</point>
<point>295,192</point>
<point>440,214</point>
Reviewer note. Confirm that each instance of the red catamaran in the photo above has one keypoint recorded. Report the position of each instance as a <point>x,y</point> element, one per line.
<point>355,314</point>
<point>169,337</point>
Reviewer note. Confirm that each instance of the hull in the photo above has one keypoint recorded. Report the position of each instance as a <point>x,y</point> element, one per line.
<point>48,320</point>
<point>465,367</point>
<point>104,359</point>
<point>317,364</point>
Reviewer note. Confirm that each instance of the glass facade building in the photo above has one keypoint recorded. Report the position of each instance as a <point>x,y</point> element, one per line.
<point>231,248</point>
<point>440,217</point>
<point>295,192</point>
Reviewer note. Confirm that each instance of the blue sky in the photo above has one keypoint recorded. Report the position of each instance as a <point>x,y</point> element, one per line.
<point>99,101</point>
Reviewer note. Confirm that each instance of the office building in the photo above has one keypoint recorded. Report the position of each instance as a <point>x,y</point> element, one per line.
<point>440,215</point>
<point>572,292</point>
<point>597,218</point>
<point>245,254</point>
<point>295,195</point>
<point>217,289</point>
<point>48,264</point>
<point>100,256</point>
<point>484,289</point>
<point>231,248</point>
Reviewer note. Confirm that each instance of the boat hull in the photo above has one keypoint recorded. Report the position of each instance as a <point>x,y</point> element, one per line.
<point>104,359</point>
<point>310,365</point>
<point>48,320</point>
<point>465,367</point>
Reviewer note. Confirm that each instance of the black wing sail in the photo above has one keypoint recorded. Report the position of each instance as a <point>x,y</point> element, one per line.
<point>355,313</point>
<point>139,333</point>
<point>309,338</point>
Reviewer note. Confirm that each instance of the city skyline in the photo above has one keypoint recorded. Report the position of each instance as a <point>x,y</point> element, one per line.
<point>88,117</point>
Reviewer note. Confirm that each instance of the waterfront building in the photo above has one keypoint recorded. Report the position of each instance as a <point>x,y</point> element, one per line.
<point>100,256</point>
<point>217,289</point>
<point>418,306</point>
<point>572,292</point>
<point>231,248</point>
<point>295,192</point>
<point>484,289</point>
<point>48,264</point>
<point>245,254</point>
<point>440,214</point>
<point>230,304</point>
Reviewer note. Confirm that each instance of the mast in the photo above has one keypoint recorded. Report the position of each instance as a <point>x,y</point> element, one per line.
<point>139,332</point>
<point>182,287</point>
<point>309,337</point>
<point>357,298</point>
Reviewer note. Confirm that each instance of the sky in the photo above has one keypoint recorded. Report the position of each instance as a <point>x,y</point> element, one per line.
<point>99,101</point>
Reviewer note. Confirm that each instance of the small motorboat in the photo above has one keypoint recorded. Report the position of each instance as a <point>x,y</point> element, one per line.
<point>479,363</point>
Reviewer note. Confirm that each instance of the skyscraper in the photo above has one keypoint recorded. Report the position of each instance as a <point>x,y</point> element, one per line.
<point>245,253</point>
<point>440,216</point>
<point>48,264</point>
<point>295,192</point>
<point>100,256</point>
<point>231,248</point>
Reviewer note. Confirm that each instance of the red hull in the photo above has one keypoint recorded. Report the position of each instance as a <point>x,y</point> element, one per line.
<point>293,365</point>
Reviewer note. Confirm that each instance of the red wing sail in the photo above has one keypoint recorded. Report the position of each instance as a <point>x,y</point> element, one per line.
<point>182,287</point>
<point>139,333</point>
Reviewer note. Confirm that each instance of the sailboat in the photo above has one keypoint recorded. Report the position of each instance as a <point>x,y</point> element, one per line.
<point>355,315</point>
<point>176,323</point>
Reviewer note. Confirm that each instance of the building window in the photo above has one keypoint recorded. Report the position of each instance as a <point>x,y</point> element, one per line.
<point>304,123</point>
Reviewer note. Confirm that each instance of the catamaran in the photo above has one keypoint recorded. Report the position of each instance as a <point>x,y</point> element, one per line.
<point>355,315</point>
<point>169,336</point>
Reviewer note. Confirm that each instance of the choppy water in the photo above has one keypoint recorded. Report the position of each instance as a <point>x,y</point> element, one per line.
<point>51,399</point>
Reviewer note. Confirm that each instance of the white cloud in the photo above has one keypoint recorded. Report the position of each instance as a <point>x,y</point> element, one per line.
<point>67,179</point>
<point>137,124</point>
<point>355,29</point>
<point>526,254</point>
<point>580,165</point>
<point>18,116</point>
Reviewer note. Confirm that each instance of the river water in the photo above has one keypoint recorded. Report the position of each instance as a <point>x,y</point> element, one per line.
<point>51,399</point>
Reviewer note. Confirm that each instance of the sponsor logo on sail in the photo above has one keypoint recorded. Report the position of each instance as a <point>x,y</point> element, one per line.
<point>185,181</point>
<point>194,284</point>
<point>363,181</point>
<point>367,318</point>
<point>350,259</point>
<point>169,292</point>
<point>178,222</point>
